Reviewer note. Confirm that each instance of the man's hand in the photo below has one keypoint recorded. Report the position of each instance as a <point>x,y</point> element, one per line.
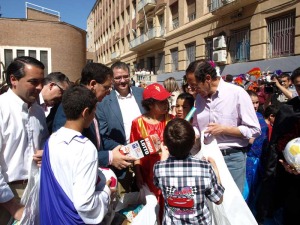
<point>288,168</point>
<point>14,208</point>
<point>37,157</point>
<point>214,129</point>
<point>121,161</point>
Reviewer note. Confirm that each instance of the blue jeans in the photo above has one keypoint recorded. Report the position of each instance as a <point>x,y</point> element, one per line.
<point>236,164</point>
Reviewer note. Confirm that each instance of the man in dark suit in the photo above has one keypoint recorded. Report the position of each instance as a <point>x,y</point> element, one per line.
<point>117,110</point>
<point>54,86</point>
<point>98,78</point>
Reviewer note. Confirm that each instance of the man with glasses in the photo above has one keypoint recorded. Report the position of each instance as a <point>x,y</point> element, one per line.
<point>285,88</point>
<point>224,112</point>
<point>50,97</point>
<point>117,111</point>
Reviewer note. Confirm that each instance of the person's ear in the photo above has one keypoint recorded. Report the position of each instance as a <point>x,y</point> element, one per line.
<point>85,113</point>
<point>92,85</point>
<point>51,85</point>
<point>208,77</point>
<point>13,80</point>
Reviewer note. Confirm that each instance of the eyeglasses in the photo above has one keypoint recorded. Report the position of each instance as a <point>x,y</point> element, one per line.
<point>125,77</point>
<point>106,88</point>
<point>60,88</point>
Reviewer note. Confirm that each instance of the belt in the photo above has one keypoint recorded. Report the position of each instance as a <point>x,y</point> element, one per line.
<point>19,182</point>
<point>229,151</point>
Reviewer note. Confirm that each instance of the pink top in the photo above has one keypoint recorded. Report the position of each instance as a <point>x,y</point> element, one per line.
<point>230,106</point>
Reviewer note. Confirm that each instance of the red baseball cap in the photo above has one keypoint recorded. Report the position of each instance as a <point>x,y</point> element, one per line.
<point>156,91</point>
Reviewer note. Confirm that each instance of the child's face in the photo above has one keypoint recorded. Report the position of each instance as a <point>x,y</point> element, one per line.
<point>161,107</point>
<point>182,108</point>
<point>255,102</point>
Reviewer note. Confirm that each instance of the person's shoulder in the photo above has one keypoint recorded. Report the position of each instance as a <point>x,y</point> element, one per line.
<point>137,90</point>
<point>108,98</point>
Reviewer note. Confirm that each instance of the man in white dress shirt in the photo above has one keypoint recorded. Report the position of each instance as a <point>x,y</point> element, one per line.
<point>23,131</point>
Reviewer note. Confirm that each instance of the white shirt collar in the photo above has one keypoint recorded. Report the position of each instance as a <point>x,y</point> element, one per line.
<point>122,97</point>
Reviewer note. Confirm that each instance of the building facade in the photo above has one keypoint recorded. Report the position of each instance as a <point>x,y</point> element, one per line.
<point>59,45</point>
<point>163,36</point>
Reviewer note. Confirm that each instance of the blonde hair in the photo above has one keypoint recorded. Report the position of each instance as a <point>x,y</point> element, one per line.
<point>171,85</point>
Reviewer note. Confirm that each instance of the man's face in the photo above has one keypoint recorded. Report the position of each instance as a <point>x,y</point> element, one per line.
<point>121,80</point>
<point>202,88</point>
<point>53,92</point>
<point>101,90</point>
<point>297,84</point>
<point>28,87</point>
<point>285,82</point>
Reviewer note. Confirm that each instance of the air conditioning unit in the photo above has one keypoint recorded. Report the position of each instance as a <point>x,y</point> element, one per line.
<point>219,42</point>
<point>220,56</point>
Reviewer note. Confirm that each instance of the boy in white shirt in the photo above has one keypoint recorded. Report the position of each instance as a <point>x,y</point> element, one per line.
<point>70,163</point>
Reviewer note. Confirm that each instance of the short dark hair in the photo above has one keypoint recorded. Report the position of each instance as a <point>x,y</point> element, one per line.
<point>120,65</point>
<point>270,109</point>
<point>179,137</point>
<point>283,75</point>
<point>75,99</point>
<point>95,71</point>
<point>228,78</point>
<point>201,68</point>
<point>17,66</point>
<point>295,74</point>
<point>188,97</point>
<point>56,77</point>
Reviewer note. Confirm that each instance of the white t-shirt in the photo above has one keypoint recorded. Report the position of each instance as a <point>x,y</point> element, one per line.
<point>74,162</point>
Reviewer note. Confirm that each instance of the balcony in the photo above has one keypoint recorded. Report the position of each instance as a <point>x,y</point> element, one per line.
<point>146,5</point>
<point>115,56</point>
<point>217,4</point>
<point>153,37</point>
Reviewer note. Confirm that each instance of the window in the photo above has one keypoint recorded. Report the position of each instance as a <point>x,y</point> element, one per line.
<point>174,59</point>
<point>190,53</point>
<point>281,35</point>
<point>8,57</point>
<point>32,53</point>
<point>174,12</point>
<point>161,62</point>
<point>240,45</point>
<point>20,53</point>
<point>191,9</point>
<point>44,60</point>
<point>209,48</point>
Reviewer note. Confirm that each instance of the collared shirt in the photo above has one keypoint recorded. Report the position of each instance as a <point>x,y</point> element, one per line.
<point>229,106</point>
<point>47,109</point>
<point>186,186</point>
<point>22,131</point>
<point>130,110</point>
<point>74,162</point>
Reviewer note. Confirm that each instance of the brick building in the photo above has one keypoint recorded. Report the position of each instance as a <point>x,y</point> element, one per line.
<point>59,45</point>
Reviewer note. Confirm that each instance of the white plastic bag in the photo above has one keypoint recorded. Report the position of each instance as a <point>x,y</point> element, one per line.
<point>30,197</point>
<point>233,210</point>
<point>149,214</point>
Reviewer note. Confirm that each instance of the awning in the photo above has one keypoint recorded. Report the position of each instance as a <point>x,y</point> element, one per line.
<point>285,64</point>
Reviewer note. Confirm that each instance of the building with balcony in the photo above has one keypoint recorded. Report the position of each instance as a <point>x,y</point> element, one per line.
<point>59,45</point>
<point>163,36</point>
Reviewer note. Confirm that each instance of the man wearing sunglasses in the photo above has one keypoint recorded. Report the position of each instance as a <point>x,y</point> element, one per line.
<point>50,97</point>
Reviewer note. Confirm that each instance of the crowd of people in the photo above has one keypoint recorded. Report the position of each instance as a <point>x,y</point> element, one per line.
<point>70,129</point>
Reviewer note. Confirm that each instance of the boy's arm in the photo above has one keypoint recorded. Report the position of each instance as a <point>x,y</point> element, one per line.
<point>217,190</point>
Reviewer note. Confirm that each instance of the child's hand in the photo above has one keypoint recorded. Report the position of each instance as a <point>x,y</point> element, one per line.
<point>37,157</point>
<point>164,152</point>
<point>112,190</point>
<point>288,168</point>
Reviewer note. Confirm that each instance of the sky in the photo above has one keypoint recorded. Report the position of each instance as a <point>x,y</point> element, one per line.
<point>74,12</point>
